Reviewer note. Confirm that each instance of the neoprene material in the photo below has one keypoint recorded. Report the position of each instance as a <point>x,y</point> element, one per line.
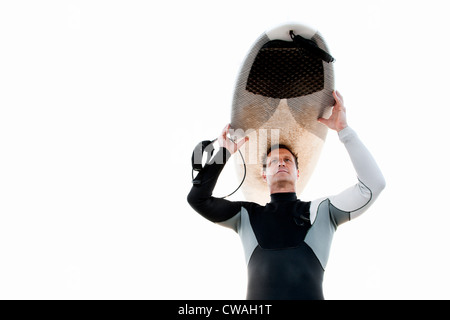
<point>287,241</point>
<point>275,274</point>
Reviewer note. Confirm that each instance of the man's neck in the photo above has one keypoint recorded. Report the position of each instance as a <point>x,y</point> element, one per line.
<point>282,188</point>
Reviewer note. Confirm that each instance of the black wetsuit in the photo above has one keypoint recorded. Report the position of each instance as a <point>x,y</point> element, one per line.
<point>287,241</point>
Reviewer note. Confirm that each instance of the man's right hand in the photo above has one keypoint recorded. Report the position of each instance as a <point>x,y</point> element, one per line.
<point>227,143</point>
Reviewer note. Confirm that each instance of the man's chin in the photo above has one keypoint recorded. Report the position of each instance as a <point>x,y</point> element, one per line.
<point>283,179</point>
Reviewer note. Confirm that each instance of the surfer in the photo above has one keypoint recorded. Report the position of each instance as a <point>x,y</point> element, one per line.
<point>287,241</point>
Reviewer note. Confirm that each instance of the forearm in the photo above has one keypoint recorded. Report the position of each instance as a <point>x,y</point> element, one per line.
<point>200,197</point>
<point>357,199</point>
<point>363,162</point>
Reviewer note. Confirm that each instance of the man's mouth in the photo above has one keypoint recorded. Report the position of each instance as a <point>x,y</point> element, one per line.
<point>282,170</point>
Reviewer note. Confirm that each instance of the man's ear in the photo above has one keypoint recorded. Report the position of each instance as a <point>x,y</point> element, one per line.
<point>298,174</point>
<point>264,176</point>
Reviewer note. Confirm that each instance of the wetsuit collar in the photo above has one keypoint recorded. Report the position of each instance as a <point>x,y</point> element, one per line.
<point>281,197</point>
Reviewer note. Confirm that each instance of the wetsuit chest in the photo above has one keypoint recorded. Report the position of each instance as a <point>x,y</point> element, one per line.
<point>283,266</point>
<point>281,224</point>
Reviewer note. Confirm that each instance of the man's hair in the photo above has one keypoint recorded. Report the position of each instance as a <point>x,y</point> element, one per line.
<point>275,147</point>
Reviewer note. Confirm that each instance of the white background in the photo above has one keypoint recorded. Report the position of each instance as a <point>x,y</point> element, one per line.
<point>102,102</point>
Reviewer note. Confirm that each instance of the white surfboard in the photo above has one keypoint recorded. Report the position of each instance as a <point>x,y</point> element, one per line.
<point>284,85</point>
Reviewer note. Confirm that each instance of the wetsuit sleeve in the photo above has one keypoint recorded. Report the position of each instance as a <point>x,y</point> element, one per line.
<point>200,197</point>
<point>355,200</point>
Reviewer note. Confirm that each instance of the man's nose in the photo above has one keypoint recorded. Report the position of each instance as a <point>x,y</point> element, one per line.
<point>281,163</point>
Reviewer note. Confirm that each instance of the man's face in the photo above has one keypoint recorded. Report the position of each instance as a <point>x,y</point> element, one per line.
<point>280,168</point>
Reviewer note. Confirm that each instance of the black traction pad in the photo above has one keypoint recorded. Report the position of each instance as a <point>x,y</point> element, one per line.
<point>281,70</point>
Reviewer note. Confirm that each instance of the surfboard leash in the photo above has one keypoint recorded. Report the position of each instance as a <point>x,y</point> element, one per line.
<point>197,156</point>
<point>311,46</point>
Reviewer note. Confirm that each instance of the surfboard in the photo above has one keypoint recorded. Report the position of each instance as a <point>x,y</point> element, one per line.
<point>284,85</point>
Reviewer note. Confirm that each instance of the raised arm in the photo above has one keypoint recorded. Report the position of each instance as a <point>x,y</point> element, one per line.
<point>200,197</point>
<point>357,199</point>
<point>353,201</point>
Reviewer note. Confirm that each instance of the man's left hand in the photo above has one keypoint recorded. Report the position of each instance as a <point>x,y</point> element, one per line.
<point>338,119</point>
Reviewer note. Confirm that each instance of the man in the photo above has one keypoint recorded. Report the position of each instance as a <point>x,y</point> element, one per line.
<point>287,241</point>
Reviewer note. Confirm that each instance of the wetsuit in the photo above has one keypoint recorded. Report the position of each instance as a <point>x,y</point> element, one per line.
<point>287,241</point>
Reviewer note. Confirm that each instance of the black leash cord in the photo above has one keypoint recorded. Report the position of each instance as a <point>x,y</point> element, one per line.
<point>311,47</point>
<point>243,178</point>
